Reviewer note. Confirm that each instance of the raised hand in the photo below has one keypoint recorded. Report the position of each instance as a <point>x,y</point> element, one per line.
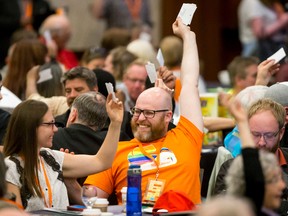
<point>167,76</point>
<point>266,69</point>
<point>115,110</point>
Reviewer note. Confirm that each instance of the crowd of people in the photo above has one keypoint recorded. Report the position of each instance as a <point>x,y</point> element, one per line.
<point>68,131</point>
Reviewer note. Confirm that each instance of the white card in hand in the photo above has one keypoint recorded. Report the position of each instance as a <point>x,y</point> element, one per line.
<point>151,71</point>
<point>160,58</point>
<point>186,12</point>
<point>45,75</point>
<point>278,56</point>
<point>47,36</point>
<point>110,89</point>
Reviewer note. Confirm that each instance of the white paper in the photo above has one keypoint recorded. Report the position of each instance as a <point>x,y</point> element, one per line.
<point>186,12</point>
<point>160,58</point>
<point>110,89</point>
<point>45,75</point>
<point>278,56</point>
<point>151,71</point>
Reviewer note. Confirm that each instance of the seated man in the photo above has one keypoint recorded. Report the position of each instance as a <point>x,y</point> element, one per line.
<point>266,121</point>
<point>171,158</point>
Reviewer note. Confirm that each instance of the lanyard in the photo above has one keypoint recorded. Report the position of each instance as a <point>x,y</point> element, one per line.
<point>134,7</point>
<point>49,203</point>
<point>157,161</point>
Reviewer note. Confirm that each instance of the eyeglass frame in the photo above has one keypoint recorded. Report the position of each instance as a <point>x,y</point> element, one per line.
<point>56,124</point>
<point>264,135</point>
<point>132,112</point>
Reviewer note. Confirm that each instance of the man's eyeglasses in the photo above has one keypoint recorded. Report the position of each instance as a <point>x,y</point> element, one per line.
<point>51,124</point>
<point>147,113</point>
<point>269,136</point>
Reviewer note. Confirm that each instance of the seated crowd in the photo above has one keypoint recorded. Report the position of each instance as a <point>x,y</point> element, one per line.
<point>68,131</point>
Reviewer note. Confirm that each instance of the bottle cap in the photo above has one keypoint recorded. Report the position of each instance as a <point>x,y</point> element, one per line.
<point>134,166</point>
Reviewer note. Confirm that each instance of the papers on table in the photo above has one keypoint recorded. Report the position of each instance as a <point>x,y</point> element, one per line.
<point>278,56</point>
<point>186,13</point>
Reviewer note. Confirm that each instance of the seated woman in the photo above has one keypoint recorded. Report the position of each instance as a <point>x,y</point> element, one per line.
<point>255,174</point>
<point>36,173</point>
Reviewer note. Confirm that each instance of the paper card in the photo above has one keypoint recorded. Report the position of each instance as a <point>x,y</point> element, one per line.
<point>110,89</point>
<point>186,12</point>
<point>151,71</point>
<point>160,58</point>
<point>278,56</point>
<point>45,75</point>
<point>47,36</point>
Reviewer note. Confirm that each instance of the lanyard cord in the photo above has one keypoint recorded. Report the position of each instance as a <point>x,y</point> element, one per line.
<point>49,204</point>
<point>134,8</point>
<point>157,161</point>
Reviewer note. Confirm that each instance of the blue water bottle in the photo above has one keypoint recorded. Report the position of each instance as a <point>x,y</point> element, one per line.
<point>134,193</point>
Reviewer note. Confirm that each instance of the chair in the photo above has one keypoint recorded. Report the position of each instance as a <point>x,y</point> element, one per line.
<point>222,156</point>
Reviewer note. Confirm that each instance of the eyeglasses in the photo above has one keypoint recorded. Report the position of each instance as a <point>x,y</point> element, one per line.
<point>269,136</point>
<point>147,113</point>
<point>134,80</point>
<point>52,124</point>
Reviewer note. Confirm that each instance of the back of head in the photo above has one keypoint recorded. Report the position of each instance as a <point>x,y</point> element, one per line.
<point>59,28</point>
<point>172,50</point>
<point>93,53</point>
<point>278,93</point>
<point>53,86</point>
<point>121,58</point>
<point>26,54</point>
<point>251,94</point>
<point>91,107</point>
<point>81,73</point>
<point>235,179</point>
<point>237,67</point>
<point>115,37</point>
<point>102,78</point>
<point>144,50</point>
<point>226,206</point>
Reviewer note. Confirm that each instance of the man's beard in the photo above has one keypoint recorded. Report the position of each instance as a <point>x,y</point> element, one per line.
<point>157,131</point>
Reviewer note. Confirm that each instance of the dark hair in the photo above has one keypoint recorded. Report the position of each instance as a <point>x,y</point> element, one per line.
<point>21,139</point>
<point>82,73</point>
<point>115,37</point>
<point>102,78</point>
<point>52,87</point>
<point>3,186</point>
<point>93,53</point>
<point>26,54</point>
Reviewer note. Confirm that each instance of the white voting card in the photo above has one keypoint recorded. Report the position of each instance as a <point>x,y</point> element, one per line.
<point>186,12</point>
<point>45,75</point>
<point>110,89</point>
<point>47,36</point>
<point>151,71</point>
<point>160,58</point>
<point>278,56</point>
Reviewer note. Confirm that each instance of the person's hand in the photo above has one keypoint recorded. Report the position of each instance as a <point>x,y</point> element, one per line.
<point>114,109</point>
<point>66,151</point>
<point>180,29</point>
<point>33,74</point>
<point>266,69</point>
<point>159,83</point>
<point>234,107</point>
<point>167,76</point>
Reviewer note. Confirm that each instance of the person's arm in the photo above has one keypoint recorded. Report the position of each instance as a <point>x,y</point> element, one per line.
<point>218,123</point>
<point>260,30</point>
<point>190,106</point>
<point>13,189</point>
<point>75,166</point>
<point>31,79</point>
<point>265,71</point>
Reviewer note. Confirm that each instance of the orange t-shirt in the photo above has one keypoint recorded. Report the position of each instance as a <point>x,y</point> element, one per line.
<point>180,152</point>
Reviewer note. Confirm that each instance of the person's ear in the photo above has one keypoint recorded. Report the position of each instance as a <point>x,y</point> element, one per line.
<point>72,116</point>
